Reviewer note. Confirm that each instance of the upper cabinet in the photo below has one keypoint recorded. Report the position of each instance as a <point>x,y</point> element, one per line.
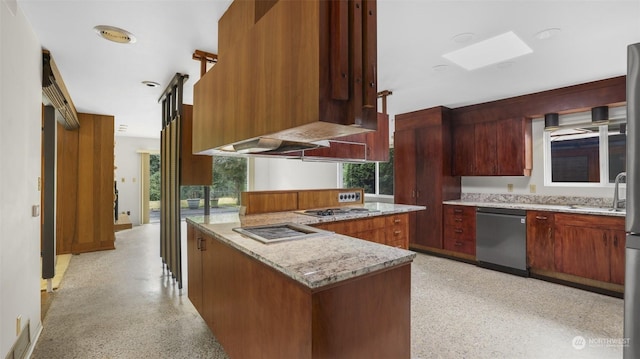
<point>297,71</point>
<point>494,138</point>
<point>493,148</point>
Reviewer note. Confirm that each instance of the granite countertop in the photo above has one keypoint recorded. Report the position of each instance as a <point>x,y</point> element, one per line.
<point>317,261</point>
<point>577,208</point>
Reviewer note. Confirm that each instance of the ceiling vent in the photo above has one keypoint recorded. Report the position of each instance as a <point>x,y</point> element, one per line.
<point>56,93</point>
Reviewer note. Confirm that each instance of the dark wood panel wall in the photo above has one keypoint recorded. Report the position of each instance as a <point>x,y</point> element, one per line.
<point>569,99</point>
<point>85,194</point>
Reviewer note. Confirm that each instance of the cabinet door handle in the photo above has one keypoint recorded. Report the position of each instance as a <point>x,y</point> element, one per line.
<point>615,241</point>
<point>417,194</point>
<point>198,241</point>
<point>413,194</point>
<point>396,221</point>
<point>542,218</point>
<point>458,243</point>
<point>457,210</point>
<point>458,230</point>
<point>458,219</point>
<point>203,245</point>
<point>396,232</point>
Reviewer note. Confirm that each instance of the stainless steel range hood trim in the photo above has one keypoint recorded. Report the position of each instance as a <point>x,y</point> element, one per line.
<point>265,145</point>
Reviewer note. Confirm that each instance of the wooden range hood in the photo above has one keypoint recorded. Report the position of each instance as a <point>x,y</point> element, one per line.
<point>299,71</point>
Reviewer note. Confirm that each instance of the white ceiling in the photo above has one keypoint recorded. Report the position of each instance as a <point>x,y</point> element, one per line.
<point>105,77</point>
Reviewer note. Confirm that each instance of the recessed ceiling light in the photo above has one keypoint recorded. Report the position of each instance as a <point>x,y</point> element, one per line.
<point>497,49</point>
<point>150,83</point>
<point>115,34</point>
<point>440,68</point>
<point>464,37</point>
<point>547,33</point>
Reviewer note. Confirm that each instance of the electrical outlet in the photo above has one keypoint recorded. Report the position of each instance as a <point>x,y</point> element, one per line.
<point>510,187</point>
<point>133,179</point>
<point>18,325</point>
<point>122,179</point>
<point>532,188</point>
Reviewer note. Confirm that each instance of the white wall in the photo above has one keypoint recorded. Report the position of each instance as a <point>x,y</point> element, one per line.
<point>521,184</point>
<point>281,174</point>
<point>128,172</point>
<point>20,118</point>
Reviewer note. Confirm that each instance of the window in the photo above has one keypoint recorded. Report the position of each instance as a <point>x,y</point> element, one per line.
<point>376,178</point>
<point>229,180</point>
<point>587,154</point>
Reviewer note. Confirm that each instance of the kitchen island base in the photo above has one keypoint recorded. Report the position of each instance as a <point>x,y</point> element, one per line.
<point>257,312</point>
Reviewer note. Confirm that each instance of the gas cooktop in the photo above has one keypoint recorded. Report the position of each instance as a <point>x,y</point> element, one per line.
<point>326,212</point>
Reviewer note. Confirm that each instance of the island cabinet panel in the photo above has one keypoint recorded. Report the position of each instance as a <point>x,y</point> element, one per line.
<point>194,267</point>
<point>460,229</point>
<point>257,312</point>
<point>343,324</point>
<point>422,172</point>
<point>590,246</point>
<point>540,240</point>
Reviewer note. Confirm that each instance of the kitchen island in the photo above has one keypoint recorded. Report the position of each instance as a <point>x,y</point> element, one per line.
<point>328,296</point>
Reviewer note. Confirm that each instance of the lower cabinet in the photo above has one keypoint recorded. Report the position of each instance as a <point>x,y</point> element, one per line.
<point>391,230</point>
<point>587,246</point>
<point>590,246</point>
<point>540,241</point>
<point>460,229</point>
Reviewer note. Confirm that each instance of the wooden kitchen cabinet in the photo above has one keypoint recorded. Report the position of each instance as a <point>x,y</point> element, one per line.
<point>194,267</point>
<point>492,148</point>
<point>391,230</point>
<point>460,229</point>
<point>590,246</point>
<point>422,172</point>
<point>540,240</point>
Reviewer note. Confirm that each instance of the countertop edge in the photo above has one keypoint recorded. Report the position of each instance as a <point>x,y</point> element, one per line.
<point>538,207</point>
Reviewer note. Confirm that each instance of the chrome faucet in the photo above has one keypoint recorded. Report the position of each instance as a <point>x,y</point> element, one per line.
<point>616,197</point>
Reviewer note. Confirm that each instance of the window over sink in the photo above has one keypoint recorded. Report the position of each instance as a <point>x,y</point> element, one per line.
<point>582,153</point>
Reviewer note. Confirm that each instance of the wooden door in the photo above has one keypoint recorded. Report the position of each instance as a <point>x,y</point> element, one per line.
<point>194,267</point>
<point>582,251</point>
<point>540,240</point>
<point>511,152</point>
<point>485,149</point>
<point>463,141</point>
<point>617,256</point>
<point>404,167</point>
<point>428,231</point>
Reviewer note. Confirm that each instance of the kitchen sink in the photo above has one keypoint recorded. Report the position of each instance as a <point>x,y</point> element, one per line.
<point>280,232</point>
<point>595,209</point>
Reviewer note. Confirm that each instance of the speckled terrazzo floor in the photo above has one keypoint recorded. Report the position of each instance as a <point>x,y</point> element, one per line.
<point>118,304</point>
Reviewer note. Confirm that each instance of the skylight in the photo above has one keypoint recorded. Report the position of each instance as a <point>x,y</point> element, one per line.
<point>491,51</point>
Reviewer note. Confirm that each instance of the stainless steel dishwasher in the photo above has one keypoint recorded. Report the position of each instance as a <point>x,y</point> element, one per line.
<point>501,239</point>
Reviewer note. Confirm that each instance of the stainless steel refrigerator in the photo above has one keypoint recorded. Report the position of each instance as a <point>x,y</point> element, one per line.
<point>632,251</point>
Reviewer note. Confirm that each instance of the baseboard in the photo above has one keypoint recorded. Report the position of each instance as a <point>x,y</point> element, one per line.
<point>34,341</point>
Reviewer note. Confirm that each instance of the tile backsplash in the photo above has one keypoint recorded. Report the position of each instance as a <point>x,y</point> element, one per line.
<point>537,199</point>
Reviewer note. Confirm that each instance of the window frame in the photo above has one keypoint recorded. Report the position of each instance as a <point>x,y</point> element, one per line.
<point>603,162</point>
<point>377,182</point>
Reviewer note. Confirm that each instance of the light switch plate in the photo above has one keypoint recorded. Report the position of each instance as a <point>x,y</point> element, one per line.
<point>510,187</point>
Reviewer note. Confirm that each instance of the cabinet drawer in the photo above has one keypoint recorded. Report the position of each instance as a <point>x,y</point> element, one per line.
<point>466,232</point>
<point>451,211</point>
<point>460,245</point>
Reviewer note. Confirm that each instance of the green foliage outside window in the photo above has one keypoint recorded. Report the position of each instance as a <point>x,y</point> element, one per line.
<point>364,175</point>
